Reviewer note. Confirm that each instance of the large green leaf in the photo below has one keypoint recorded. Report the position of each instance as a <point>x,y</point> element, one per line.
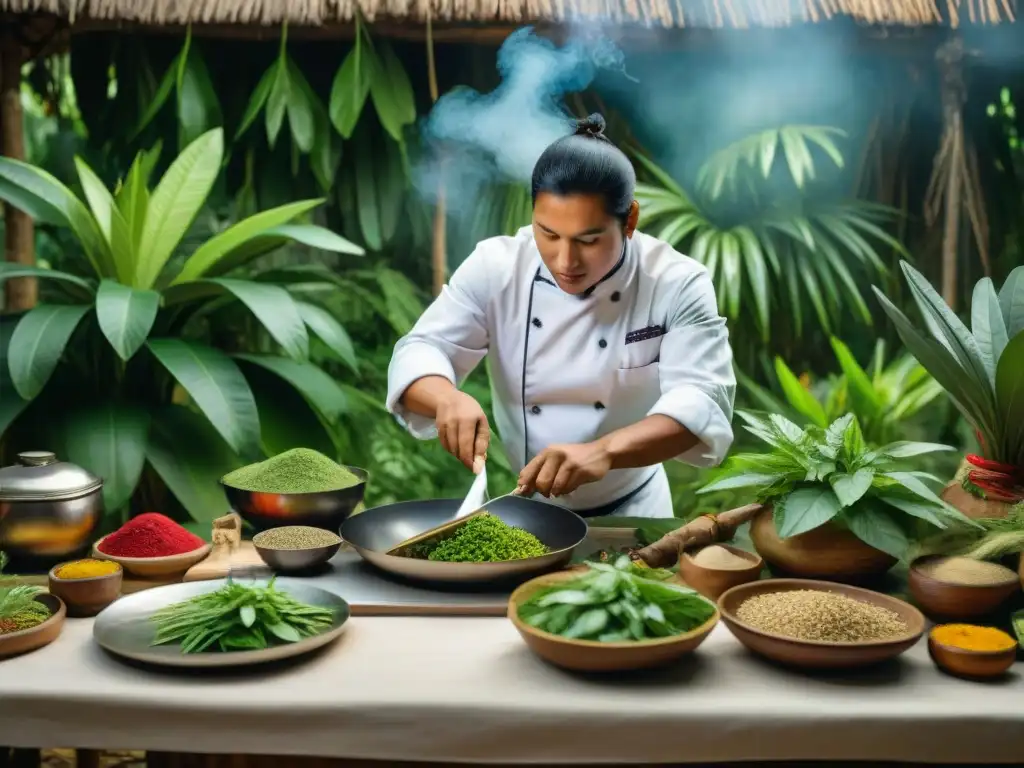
<point>275,308</point>
<point>915,508</point>
<point>1011,302</point>
<point>806,509</point>
<point>191,457</point>
<point>877,529</point>
<point>913,484</point>
<point>217,387</point>
<point>110,440</point>
<point>314,237</point>
<point>330,332</point>
<point>82,288</point>
<point>850,488</point>
<point>111,223</point>
<point>319,389</point>
<point>286,419</point>
<point>277,100</point>
<point>391,91</point>
<point>44,198</point>
<point>38,343</point>
<point>349,90</point>
<point>799,397</point>
<point>1010,396</point>
<point>133,197</point>
<point>198,105</point>
<point>988,325</point>
<point>301,119</point>
<point>862,392</point>
<point>175,202</point>
<point>126,316</point>
<point>904,449</point>
<point>11,403</point>
<point>257,100</point>
<point>206,257</point>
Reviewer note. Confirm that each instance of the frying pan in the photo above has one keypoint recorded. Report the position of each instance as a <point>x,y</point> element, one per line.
<point>377,530</point>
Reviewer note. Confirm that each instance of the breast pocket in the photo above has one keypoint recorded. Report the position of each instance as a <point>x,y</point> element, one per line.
<point>636,392</point>
<point>641,354</point>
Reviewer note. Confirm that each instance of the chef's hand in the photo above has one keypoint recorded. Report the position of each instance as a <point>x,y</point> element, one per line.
<point>561,469</point>
<point>463,430</point>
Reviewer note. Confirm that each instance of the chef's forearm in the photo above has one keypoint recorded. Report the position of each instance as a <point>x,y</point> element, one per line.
<point>424,395</point>
<point>650,441</point>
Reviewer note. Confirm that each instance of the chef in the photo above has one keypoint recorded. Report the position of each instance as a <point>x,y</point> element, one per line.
<point>607,352</point>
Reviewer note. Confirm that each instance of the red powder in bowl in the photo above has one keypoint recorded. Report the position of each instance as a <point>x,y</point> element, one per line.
<point>150,535</point>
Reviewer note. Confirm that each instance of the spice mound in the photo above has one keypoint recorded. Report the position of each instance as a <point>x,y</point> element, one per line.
<point>614,603</point>
<point>968,637</point>
<point>484,539</point>
<point>966,572</point>
<point>150,535</point>
<point>719,558</point>
<point>300,470</point>
<point>239,617</point>
<point>810,614</point>
<point>20,610</point>
<point>296,537</point>
<point>86,569</point>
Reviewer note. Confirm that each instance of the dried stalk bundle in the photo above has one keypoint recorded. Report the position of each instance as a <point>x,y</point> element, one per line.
<point>706,529</point>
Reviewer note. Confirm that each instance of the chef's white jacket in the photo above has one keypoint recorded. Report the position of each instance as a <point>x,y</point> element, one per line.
<point>647,339</point>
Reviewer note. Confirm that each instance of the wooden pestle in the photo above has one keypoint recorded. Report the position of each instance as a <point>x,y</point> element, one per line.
<point>706,529</point>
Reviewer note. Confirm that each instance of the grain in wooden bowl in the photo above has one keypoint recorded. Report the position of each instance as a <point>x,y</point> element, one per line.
<point>613,653</point>
<point>973,652</point>
<point>819,624</point>
<point>960,588</point>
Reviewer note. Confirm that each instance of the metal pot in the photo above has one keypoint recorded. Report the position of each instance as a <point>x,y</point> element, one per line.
<point>48,508</point>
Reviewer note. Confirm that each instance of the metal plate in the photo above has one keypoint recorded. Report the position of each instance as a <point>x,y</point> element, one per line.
<point>125,627</point>
<point>377,530</point>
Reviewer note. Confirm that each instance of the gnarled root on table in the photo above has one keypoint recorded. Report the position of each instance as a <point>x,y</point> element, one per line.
<point>706,529</point>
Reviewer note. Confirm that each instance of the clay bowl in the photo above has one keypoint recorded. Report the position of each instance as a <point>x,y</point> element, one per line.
<point>89,596</point>
<point>975,665</point>
<point>154,567</point>
<point>957,602</point>
<point>818,654</point>
<point>30,639</point>
<point>321,509</point>
<point>295,560</point>
<point>827,552</point>
<point>593,656</point>
<point>712,582</point>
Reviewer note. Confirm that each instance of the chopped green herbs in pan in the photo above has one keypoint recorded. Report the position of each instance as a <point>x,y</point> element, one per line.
<point>615,603</point>
<point>239,617</point>
<point>484,539</point>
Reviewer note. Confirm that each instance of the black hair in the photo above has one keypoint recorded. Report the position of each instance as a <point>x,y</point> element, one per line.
<point>586,162</point>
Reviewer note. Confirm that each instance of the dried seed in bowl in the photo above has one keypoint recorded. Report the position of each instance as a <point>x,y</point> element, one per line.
<point>810,614</point>
<point>296,537</point>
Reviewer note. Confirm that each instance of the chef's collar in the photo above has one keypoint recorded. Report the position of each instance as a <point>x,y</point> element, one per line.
<point>614,280</point>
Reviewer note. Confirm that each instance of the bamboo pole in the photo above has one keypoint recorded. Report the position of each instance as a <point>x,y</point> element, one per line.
<point>19,242</point>
<point>439,250</point>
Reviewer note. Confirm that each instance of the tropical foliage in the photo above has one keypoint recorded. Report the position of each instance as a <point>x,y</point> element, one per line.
<point>982,367</point>
<point>771,255</point>
<point>883,397</point>
<point>119,361</point>
<point>815,476</point>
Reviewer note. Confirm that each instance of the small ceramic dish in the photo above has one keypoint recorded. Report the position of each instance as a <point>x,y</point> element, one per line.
<point>88,596</point>
<point>295,560</point>
<point>25,640</point>
<point>155,567</point>
<point>712,582</point>
<point>976,665</point>
<point>958,602</point>
<point>594,656</point>
<point>819,654</point>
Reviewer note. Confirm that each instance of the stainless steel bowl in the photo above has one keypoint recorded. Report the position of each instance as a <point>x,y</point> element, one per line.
<point>48,508</point>
<point>324,509</point>
<point>296,560</point>
<point>377,530</point>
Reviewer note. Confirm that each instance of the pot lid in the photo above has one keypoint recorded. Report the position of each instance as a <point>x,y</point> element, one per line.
<point>38,476</point>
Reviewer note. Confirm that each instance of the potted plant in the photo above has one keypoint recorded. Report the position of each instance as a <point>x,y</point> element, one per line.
<point>982,369</point>
<point>833,507</point>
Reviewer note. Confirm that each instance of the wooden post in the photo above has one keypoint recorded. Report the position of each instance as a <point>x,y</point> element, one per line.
<point>19,240</point>
<point>950,58</point>
<point>439,251</point>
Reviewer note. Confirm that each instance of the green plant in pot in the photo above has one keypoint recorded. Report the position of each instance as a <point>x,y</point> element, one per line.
<point>982,369</point>
<point>130,368</point>
<point>833,507</point>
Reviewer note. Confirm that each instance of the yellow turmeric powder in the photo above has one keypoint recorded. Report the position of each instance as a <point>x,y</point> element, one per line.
<point>86,569</point>
<point>973,638</point>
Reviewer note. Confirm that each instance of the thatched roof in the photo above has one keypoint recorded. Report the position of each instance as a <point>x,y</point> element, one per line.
<point>661,13</point>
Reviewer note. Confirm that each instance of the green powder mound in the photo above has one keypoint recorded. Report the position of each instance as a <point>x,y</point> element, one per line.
<point>300,470</point>
<point>487,539</point>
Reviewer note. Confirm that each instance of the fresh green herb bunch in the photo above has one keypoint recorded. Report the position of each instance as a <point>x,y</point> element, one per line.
<point>487,539</point>
<point>613,603</point>
<point>18,605</point>
<point>239,617</point>
<point>986,538</point>
<point>814,476</point>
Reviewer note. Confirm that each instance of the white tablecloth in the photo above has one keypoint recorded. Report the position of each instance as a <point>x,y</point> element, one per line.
<point>468,690</point>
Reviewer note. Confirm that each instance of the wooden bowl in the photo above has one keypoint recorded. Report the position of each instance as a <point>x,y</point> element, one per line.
<point>975,665</point>
<point>25,640</point>
<point>89,596</point>
<point>594,656</point>
<point>819,654</point>
<point>712,582</point>
<point>957,602</point>
<point>827,552</point>
<point>155,567</point>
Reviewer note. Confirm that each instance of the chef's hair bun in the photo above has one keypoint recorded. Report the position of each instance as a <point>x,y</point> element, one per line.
<point>592,125</point>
